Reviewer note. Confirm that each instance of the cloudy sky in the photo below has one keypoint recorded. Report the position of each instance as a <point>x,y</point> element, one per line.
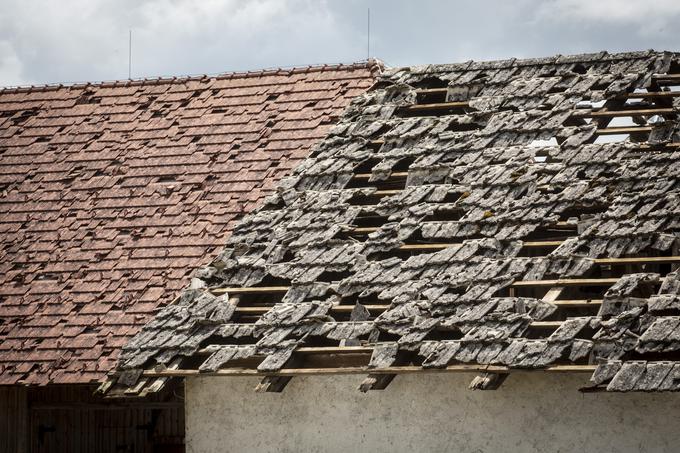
<point>87,40</point>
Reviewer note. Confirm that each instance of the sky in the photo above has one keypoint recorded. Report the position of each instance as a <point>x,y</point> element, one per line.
<point>60,41</point>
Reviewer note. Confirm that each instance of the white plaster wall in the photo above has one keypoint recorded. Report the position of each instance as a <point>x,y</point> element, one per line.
<point>531,412</point>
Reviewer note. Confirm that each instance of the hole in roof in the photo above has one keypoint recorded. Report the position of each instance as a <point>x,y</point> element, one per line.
<point>310,104</point>
<point>195,138</point>
<point>637,102</point>
<point>219,110</point>
<point>463,127</point>
<point>550,142</point>
<point>367,165</point>
<point>579,69</point>
<point>622,121</point>
<point>431,82</point>
<point>541,156</point>
<point>614,138</point>
<point>403,164</point>
<point>447,214</point>
<point>272,97</point>
<point>584,104</point>
<point>556,89</point>
<point>656,119</point>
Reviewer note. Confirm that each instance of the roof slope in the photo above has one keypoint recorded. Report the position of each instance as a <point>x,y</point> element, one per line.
<point>113,193</point>
<point>463,217</point>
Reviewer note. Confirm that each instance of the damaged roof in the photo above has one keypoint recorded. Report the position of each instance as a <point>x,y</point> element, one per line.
<point>113,193</point>
<point>483,216</point>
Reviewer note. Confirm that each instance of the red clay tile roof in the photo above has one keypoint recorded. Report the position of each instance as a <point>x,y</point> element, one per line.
<point>112,193</point>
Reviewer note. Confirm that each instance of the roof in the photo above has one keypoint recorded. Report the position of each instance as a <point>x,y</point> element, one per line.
<point>112,193</point>
<point>491,217</point>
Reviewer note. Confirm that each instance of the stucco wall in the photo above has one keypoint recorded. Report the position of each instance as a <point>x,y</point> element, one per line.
<point>531,412</point>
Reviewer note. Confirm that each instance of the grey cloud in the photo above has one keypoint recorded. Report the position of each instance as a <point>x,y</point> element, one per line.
<point>77,40</point>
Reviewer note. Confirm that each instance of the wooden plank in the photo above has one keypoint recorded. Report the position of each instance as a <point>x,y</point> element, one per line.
<point>397,174</point>
<point>639,260</point>
<point>578,303</point>
<point>652,94</point>
<point>335,309</point>
<point>252,290</point>
<point>406,369</point>
<point>545,324</point>
<point>566,282</point>
<point>435,106</point>
<point>488,381</point>
<point>552,294</point>
<point>666,76</point>
<point>259,310</point>
<point>426,91</point>
<point>542,243</point>
<point>618,113</point>
<point>386,193</point>
<point>623,130</point>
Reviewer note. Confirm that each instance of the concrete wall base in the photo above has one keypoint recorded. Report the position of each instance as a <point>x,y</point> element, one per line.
<point>531,412</point>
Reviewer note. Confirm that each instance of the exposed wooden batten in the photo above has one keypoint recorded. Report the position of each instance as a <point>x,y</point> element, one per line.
<point>407,369</point>
<point>398,174</point>
<point>617,113</point>
<point>623,130</point>
<point>345,309</point>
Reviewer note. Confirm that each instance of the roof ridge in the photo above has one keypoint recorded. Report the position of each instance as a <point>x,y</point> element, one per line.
<point>375,65</point>
<point>533,61</point>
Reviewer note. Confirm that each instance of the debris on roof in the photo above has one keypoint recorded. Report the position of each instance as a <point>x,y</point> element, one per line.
<point>483,216</point>
<point>113,193</point>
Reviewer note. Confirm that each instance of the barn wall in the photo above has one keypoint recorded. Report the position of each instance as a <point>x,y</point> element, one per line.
<point>69,418</point>
<point>13,420</point>
<point>434,412</point>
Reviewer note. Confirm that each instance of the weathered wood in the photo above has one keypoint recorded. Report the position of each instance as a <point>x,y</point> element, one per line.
<point>251,290</point>
<point>566,282</point>
<point>488,381</point>
<point>386,193</point>
<point>578,303</point>
<point>619,113</point>
<point>14,419</point>
<point>639,260</point>
<point>435,106</point>
<point>545,324</point>
<point>517,284</point>
<point>398,174</point>
<point>376,382</point>
<point>430,91</point>
<point>407,369</point>
<point>653,94</point>
<point>666,76</point>
<point>273,384</point>
<point>623,130</point>
<point>552,294</point>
